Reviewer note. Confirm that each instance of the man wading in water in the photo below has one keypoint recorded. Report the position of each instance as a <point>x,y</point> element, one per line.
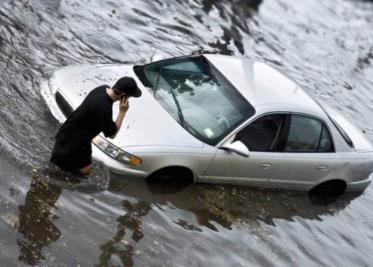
<point>72,150</point>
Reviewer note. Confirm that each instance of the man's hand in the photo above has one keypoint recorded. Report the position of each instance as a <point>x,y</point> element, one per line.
<point>124,105</point>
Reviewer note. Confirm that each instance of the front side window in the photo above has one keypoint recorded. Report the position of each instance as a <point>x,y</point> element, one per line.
<point>263,134</point>
<point>197,95</point>
<point>307,134</point>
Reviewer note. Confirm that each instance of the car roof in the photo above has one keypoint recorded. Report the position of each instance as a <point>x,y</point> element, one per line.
<point>262,84</point>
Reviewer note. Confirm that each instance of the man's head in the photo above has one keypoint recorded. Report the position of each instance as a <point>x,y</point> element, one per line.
<point>126,87</point>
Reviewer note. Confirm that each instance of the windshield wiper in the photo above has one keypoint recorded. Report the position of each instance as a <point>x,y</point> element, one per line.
<point>179,112</point>
<point>182,121</point>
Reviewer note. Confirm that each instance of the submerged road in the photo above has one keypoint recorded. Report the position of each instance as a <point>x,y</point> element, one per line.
<point>326,46</point>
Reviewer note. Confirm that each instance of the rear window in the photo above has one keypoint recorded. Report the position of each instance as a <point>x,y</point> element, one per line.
<point>337,126</point>
<point>342,132</point>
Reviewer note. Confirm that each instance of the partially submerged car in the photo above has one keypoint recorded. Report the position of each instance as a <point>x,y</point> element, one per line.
<point>220,119</point>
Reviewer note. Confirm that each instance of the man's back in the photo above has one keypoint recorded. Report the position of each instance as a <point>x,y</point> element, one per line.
<point>93,116</point>
<point>72,150</point>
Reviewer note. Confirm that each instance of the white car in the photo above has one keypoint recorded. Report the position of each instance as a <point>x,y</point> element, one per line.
<point>220,119</point>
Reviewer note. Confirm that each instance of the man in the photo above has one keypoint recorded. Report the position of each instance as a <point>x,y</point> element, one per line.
<point>72,150</point>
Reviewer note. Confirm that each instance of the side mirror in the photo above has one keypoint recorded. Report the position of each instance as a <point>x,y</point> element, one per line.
<point>237,147</point>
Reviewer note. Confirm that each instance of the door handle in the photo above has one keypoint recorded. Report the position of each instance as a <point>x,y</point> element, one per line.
<point>322,168</point>
<point>265,166</point>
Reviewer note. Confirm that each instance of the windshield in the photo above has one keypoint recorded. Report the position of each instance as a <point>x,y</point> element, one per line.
<point>197,95</point>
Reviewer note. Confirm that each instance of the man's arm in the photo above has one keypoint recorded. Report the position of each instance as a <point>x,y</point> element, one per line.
<point>123,107</point>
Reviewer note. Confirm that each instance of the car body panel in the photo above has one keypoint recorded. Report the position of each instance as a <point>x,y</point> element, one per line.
<point>228,167</point>
<point>353,168</point>
<point>302,169</point>
<point>358,186</point>
<point>152,134</point>
<point>197,162</point>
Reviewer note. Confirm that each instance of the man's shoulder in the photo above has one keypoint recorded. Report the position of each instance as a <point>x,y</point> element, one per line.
<point>99,89</point>
<point>98,98</point>
<point>97,92</point>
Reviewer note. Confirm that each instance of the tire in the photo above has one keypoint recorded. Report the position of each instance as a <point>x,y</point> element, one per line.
<point>172,174</point>
<point>327,192</point>
<point>169,180</point>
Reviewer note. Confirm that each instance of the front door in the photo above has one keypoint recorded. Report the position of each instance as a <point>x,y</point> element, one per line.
<point>260,137</point>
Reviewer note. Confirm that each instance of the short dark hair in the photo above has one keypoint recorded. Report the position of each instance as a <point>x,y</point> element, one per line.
<point>128,86</point>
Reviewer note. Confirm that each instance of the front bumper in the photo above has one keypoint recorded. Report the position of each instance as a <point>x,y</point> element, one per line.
<point>50,100</point>
<point>114,165</point>
<point>359,186</point>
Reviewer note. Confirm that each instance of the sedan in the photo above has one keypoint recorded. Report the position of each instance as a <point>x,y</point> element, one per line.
<point>220,119</point>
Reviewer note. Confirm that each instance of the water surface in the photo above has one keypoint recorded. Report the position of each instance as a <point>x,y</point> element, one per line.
<point>45,219</point>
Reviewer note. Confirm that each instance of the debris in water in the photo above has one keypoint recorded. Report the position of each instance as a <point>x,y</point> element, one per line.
<point>11,219</point>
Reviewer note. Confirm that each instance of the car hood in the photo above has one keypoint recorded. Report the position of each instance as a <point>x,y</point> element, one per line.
<point>146,123</point>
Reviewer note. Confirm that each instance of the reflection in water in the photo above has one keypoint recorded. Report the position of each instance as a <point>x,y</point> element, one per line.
<point>36,220</point>
<point>211,205</point>
<point>190,216</point>
<point>119,245</point>
<point>226,204</point>
<point>230,204</point>
<point>37,215</point>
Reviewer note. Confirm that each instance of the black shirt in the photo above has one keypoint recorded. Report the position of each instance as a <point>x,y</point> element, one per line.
<point>93,116</point>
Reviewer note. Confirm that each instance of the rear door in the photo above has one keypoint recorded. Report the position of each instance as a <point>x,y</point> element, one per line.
<point>306,153</point>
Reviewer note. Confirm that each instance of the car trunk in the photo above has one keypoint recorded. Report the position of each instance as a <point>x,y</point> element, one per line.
<point>350,131</point>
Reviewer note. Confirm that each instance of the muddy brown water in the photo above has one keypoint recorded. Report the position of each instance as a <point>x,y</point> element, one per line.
<point>108,220</point>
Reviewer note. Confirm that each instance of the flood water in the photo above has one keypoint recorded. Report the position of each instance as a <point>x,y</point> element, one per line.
<point>326,46</point>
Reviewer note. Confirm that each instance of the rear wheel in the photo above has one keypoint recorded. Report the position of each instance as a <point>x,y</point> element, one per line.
<point>327,192</point>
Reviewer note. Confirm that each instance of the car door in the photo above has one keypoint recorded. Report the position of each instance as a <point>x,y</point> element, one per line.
<point>260,137</point>
<point>306,153</point>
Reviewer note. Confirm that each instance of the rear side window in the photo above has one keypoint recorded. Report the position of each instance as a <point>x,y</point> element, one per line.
<point>307,134</point>
<point>326,144</point>
<point>263,133</point>
<point>342,132</point>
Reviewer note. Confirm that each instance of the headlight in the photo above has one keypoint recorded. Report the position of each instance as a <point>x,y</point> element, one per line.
<point>115,152</point>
